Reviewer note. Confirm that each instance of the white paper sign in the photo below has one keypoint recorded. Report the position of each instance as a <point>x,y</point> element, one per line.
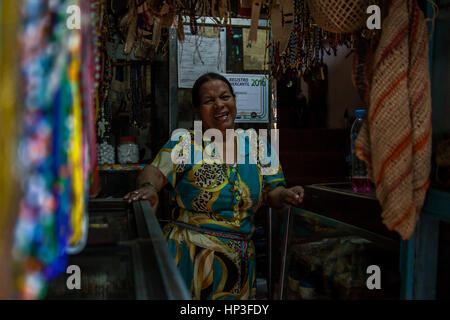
<point>198,55</point>
<point>252,96</point>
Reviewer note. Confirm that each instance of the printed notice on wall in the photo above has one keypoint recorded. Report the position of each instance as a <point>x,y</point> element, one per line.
<point>201,53</point>
<point>252,96</point>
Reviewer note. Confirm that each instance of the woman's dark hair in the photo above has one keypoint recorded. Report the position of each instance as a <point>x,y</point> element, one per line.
<point>203,79</point>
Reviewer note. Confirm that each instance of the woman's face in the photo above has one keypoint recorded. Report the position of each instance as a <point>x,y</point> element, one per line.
<point>217,106</point>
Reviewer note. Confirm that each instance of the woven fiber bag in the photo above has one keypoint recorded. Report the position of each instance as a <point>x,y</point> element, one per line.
<point>339,16</point>
<point>395,139</point>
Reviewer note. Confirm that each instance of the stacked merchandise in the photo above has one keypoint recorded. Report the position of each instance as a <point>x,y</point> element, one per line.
<point>56,141</point>
<point>329,268</point>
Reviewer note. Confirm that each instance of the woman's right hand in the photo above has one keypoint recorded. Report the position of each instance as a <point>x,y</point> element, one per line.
<point>144,193</point>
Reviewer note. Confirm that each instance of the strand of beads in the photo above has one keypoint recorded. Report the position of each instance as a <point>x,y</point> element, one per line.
<point>307,45</point>
<point>95,14</point>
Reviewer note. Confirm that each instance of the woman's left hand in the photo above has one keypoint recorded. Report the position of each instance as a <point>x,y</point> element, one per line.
<point>293,196</point>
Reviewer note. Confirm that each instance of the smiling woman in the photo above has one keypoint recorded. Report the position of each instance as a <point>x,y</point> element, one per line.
<point>210,232</point>
<point>214,102</point>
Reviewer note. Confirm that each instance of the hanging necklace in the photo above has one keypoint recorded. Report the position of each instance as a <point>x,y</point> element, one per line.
<point>307,45</point>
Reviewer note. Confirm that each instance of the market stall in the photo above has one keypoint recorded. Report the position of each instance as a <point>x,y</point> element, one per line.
<point>97,87</point>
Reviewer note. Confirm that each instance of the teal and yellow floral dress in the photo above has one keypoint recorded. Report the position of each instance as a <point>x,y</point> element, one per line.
<point>209,236</point>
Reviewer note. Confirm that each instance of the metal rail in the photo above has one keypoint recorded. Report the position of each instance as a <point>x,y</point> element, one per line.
<point>269,254</point>
<point>284,254</point>
<point>156,249</point>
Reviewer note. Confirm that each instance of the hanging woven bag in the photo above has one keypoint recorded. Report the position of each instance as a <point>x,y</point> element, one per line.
<point>339,16</point>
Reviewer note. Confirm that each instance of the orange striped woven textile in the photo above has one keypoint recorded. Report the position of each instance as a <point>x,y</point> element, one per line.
<point>395,140</point>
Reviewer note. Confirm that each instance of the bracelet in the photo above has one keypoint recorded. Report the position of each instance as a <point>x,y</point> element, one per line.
<point>148,183</point>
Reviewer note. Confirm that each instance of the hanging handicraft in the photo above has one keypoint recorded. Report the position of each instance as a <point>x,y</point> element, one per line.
<point>53,156</point>
<point>101,24</point>
<point>145,27</point>
<point>307,43</point>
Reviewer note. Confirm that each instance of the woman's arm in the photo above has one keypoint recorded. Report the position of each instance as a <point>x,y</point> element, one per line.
<point>149,182</point>
<point>154,176</point>
<point>280,196</point>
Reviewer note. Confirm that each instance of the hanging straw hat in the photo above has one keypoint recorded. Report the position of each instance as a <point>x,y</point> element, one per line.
<point>339,16</point>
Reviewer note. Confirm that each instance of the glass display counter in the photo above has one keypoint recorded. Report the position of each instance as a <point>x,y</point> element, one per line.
<point>333,245</point>
<point>126,257</point>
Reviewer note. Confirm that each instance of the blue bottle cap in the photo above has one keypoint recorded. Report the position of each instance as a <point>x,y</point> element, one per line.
<point>360,113</point>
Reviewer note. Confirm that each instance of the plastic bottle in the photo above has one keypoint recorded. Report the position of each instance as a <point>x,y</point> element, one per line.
<point>360,180</point>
